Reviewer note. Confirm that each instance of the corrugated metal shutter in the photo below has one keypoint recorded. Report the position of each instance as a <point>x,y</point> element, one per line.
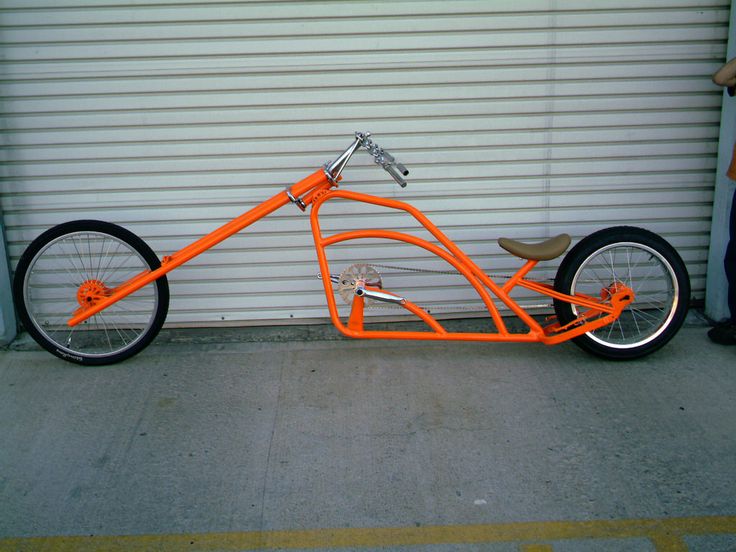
<point>523,119</point>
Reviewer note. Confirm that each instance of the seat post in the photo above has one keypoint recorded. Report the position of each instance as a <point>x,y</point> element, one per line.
<point>516,278</point>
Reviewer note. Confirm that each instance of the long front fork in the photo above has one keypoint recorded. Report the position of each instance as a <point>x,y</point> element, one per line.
<point>315,182</point>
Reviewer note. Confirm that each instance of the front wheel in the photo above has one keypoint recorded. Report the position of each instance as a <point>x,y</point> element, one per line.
<point>640,260</point>
<point>76,263</point>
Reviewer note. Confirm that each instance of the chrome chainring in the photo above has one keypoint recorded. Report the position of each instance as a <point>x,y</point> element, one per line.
<point>352,275</point>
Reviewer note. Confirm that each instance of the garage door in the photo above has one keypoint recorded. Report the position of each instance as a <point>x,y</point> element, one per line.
<point>523,119</point>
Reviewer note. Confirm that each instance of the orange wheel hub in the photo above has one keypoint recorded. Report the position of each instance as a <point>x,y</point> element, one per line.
<point>618,293</point>
<point>91,292</point>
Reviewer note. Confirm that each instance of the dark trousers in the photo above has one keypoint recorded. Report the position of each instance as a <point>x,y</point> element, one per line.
<point>730,261</point>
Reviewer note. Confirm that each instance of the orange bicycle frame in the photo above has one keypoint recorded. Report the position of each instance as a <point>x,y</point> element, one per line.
<point>319,188</point>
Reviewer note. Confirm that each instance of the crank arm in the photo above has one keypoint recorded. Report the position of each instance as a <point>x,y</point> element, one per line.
<point>379,295</point>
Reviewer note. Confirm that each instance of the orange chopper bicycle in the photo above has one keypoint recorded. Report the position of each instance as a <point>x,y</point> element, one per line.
<point>94,293</point>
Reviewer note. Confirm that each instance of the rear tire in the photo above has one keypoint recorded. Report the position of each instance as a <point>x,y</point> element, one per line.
<point>54,274</point>
<point>647,264</point>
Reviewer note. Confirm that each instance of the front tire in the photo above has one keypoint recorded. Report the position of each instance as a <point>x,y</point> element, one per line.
<point>644,262</point>
<point>67,265</point>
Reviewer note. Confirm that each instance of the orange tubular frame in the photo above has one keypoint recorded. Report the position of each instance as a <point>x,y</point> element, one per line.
<point>598,315</point>
<point>315,190</point>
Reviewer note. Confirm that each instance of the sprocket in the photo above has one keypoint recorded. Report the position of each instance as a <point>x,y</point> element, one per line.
<point>354,274</point>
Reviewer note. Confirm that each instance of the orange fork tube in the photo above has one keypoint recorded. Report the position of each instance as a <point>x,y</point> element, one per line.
<point>168,264</point>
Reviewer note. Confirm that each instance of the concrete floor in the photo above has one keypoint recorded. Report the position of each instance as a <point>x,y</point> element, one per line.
<point>206,442</point>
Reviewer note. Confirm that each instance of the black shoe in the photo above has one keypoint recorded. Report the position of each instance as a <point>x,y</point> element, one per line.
<point>723,334</point>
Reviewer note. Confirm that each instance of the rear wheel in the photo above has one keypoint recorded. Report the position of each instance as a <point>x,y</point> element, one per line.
<point>78,263</point>
<point>640,260</point>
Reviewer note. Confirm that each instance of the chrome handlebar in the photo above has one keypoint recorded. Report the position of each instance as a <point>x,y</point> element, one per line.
<point>380,157</point>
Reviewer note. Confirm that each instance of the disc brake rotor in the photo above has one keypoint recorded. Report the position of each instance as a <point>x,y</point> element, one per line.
<point>352,275</point>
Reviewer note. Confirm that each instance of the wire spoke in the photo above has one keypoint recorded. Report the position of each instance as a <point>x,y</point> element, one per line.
<point>112,257</point>
<point>62,266</point>
<point>643,270</point>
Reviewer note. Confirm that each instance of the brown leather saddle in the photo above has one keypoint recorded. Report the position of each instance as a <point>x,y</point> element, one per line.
<point>549,249</point>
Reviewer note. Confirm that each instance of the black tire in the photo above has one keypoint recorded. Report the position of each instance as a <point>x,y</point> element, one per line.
<point>48,278</point>
<point>647,264</point>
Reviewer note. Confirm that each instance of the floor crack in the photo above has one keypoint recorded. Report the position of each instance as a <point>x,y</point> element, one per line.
<point>270,446</point>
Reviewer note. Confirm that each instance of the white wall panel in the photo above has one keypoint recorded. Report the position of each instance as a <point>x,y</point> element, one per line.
<point>522,119</point>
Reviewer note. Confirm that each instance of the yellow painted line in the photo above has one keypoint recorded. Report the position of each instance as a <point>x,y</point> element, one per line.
<point>666,535</point>
<point>536,548</point>
<point>669,543</point>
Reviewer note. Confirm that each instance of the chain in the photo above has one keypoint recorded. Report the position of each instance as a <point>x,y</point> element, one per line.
<point>451,272</point>
<point>458,308</point>
<point>451,308</point>
<point>408,269</point>
<point>479,308</point>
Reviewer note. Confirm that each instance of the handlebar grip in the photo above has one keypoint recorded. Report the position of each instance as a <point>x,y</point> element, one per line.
<point>396,176</point>
<point>392,161</point>
<point>384,159</point>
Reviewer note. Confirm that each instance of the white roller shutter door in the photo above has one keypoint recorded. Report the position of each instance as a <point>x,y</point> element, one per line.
<point>523,119</point>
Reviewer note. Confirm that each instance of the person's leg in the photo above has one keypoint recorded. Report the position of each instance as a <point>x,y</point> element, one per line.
<point>725,333</point>
<point>730,262</point>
